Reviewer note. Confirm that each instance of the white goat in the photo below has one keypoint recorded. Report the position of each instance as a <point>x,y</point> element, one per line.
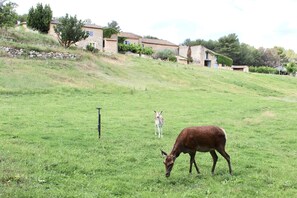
<point>159,121</point>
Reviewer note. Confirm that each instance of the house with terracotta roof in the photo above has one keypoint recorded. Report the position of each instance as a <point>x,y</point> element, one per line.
<point>95,35</point>
<point>130,38</point>
<point>159,44</point>
<point>155,44</point>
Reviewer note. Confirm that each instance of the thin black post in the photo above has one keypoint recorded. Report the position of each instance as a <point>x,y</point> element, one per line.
<point>99,122</point>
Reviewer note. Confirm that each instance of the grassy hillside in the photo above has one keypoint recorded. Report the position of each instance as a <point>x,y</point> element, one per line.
<point>49,144</point>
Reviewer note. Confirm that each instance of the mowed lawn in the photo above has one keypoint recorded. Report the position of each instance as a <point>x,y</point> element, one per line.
<point>49,144</point>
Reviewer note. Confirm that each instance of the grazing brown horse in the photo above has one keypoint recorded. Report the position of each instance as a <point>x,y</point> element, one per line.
<point>199,138</point>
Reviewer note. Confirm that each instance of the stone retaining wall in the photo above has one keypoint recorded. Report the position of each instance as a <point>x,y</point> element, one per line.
<point>13,52</point>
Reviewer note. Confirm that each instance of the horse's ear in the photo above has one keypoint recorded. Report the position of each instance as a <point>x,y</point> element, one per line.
<point>164,154</point>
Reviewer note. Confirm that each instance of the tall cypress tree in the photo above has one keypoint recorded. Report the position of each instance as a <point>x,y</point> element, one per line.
<point>39,18</point>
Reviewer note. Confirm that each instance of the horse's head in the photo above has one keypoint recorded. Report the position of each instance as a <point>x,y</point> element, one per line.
<point>169,162</point>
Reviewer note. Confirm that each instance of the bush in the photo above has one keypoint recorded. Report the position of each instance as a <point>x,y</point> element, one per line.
<point>148,51</point>
<point>135,48</point>
<point>172,58</point>
<point>263,69</point>
<point>292,68</point>
<point>91,48</point>
<point>164,54</point>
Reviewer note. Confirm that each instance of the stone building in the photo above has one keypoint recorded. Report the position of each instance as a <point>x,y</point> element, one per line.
<point>95,35</point>
<point>159,44</point>
<point>155,44</point>
<point>201,55</point>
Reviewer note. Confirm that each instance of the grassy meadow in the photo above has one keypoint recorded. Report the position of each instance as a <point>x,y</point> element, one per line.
<point>49,144</point>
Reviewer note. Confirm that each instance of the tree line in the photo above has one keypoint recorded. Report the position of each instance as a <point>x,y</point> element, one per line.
<point>244,54</point>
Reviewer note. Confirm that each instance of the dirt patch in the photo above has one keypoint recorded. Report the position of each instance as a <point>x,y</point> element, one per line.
<point>268,114</point>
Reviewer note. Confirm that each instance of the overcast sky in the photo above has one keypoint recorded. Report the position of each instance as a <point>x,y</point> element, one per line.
<point>259,23</point>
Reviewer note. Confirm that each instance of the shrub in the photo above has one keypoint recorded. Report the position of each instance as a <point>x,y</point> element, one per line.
<point>263,69</point>
<point>172,58</point>
<point>91,48</point>
<point>135,48</point>
<point>164,54</point>
<point>148,51</point>
<point>292,68</point>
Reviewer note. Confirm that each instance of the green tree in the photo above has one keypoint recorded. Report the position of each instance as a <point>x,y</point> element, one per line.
<point>210,44</point>
<point>114,25</point>
<point>249,56</point>
<point>39,18</point>
<point>112,28</point>
<point>69,30</point>
<point>22,18</point>
<point>8,16</point>
<point>229,46</point>
<point>292,56</point>
<point>150,37</point>
<point>107,32</point>
<point>282,54</point>
<point>292,68</point>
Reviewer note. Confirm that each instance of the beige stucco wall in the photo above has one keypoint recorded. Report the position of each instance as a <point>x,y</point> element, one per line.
<point>132,41</point>
<point>96,39</point>
<point>111,45</point>
<point>52,31</point>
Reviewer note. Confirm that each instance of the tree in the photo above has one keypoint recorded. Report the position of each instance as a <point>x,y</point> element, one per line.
<point>114,25</point>
<point>292,68</point>
<point>189,55</point>
<point>22,18</point>
<point>210,44</point>
<point>249,55</point>
<point>8,16</point>
<point>39,18</point>
<point>282,54</point>
<point>69,30</point>
<point>229,46</point>
<point>112,28</point>
<point>270,57</point>
<point>292,56</point>
<point>150,37</point>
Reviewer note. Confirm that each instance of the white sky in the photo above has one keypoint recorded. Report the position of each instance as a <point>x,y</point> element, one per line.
<point>259,23</point>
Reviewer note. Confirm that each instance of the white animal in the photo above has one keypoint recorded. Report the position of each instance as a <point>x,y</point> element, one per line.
<point>159,121</point>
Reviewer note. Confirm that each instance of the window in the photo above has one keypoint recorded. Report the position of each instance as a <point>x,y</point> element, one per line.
<point>206,55</point>
<point>91,33</point>
<point>127,42</point>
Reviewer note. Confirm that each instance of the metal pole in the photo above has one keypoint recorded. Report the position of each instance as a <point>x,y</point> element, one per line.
<point>99,122</point>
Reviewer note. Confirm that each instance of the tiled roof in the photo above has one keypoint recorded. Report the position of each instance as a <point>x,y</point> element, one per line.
<point>93,26</point>
<point>55,21</point>
<point>157,42</point>
<point>129,35</point>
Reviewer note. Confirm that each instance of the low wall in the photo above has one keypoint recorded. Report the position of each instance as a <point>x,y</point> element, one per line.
<point>13,52</point>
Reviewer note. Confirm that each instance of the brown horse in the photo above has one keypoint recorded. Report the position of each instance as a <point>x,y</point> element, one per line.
<point>199,138</point>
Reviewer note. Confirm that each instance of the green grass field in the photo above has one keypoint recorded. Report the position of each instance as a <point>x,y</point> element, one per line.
<point>49,144</point>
